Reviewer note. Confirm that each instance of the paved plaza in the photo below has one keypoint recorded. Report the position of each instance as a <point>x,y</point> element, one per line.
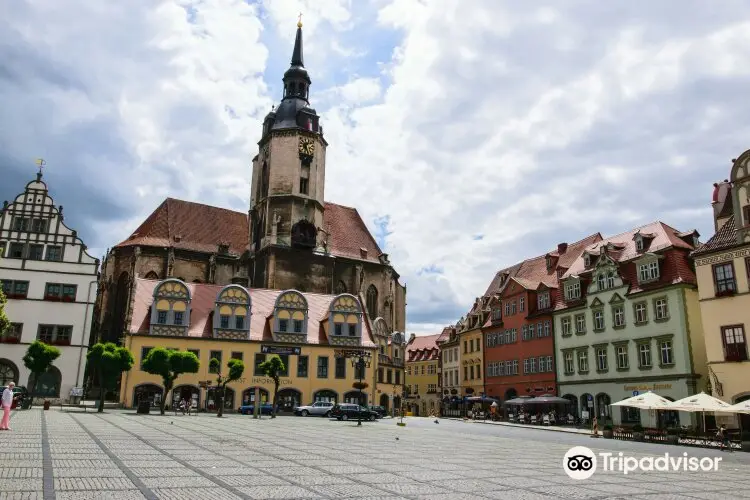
<point>119,454</point>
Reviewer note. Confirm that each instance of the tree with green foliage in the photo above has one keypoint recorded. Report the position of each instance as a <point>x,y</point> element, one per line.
<point>38,359</point>
<point>236,369</point>
<point>108,361</point>
<point>272,368</point>
<point>4,321</point>
<point>169,364</point>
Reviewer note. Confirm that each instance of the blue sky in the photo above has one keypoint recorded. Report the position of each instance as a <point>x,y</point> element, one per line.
<point>470,135</point>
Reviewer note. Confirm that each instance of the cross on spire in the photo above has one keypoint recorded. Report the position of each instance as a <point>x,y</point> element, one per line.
<point>299,20</point>
<point>40,163</point>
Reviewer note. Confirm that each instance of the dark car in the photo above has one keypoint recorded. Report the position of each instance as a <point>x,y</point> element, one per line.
<point>265,409</point>
<point>380,410</point>
<point>346,411</point>
<point>21,398</point>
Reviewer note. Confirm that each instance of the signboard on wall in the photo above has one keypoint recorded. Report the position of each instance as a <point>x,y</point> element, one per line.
<point>283,350</point>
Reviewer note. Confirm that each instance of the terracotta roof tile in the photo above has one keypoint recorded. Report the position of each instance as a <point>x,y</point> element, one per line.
<point>349,234</point>
<point>192,226</point>
<point>202,228</point>
<point>203,302</point>
<point>423,342</point>
<point>725,237</point>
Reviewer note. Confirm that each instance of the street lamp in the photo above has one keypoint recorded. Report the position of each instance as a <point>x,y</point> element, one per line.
<point>360,361</point>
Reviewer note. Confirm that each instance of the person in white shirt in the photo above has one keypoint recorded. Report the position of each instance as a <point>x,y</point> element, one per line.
<point>7,402</point>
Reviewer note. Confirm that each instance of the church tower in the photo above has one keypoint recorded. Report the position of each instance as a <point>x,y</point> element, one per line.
<point>286,201</point>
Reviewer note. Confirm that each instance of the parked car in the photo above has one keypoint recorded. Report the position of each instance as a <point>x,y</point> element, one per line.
<point>346,411</point>
<point>21,397</point>
<point>319,408</point>
<point>380,410</point>
<point>265,409</point>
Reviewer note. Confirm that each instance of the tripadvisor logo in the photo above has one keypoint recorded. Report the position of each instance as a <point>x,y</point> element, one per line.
<point>581,463</point>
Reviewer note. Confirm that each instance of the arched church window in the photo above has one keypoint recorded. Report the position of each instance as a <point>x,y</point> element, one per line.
<point>152,276</point>
<point>340,288</point>
<point>290,313</point>
<point>372,302</point>
<point>345,316</point>
<point>233,306</point>
<point>171,304</point>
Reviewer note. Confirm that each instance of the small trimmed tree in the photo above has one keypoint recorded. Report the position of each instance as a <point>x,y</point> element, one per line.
<point>4,321</point>
<point>236,369</point>
<point>169,364</point>
<point>108,361</point>
<point>272,368</point>
<point>38,359</point>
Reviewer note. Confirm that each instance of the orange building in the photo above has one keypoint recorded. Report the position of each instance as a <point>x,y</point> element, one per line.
<point>518,336</point>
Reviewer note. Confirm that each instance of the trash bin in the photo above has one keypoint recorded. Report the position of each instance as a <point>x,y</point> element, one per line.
<point>144,407</point>
<point>46,405</point>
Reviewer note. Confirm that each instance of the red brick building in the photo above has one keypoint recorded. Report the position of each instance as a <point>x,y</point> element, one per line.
<point>518,337</point>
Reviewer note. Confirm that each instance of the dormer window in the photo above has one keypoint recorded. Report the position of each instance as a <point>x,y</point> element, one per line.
<point>232,311</point>
<point>639,244</point>
<point>648,271</point>
<point>171,307</point>
<point>290,313</point>
<point>543,300</point>
<point>601,282</point>
<point>497,314</point>
<point>573,290</point>
<point>586,260</point>
<point>549,262</point>
<point>345,317</point>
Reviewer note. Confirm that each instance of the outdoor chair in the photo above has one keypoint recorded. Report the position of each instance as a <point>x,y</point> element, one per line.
<point>545,420</point>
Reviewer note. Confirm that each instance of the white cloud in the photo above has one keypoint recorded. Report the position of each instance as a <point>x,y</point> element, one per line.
<point>527,126</point>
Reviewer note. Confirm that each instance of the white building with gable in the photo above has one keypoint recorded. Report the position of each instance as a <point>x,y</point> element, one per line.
<point>50,282</point>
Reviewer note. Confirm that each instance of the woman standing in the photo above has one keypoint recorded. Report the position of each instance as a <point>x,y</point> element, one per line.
<point>7,402</point>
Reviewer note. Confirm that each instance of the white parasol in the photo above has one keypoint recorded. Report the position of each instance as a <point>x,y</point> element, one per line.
<point>742,407</point>
<point>646,401</point>
<point>700,402</point>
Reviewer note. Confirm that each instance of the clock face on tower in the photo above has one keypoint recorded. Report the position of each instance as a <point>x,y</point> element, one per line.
<point>306,147</point>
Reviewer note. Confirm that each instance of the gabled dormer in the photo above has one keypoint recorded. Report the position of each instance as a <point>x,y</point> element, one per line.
<point>589,258</point>
<point>232,313</point>
<point>170,312</point>
<point>690,237</point>
<point>648,267</point>
<point>345,321</point>
<point>290,314</point>
<point>605,275</point>
<point>550,261</point>
<point>642,241</point>
<point>543,297</point>
<point>572,288</point>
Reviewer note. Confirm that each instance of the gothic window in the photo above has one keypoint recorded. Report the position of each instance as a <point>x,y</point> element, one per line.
<point>345,317</point>
<point>152,276</point>
<point>171,304</point>
<point>290,313</point>
<point>264,181</point>
<point>304,179</point>
<point>372,302</point>
<point>233,306</point>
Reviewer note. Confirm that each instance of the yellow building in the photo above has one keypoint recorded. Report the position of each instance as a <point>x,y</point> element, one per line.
<point>226,322</point>
<point>422,375</point>
<point>723,272</point>
<point>472,350</point>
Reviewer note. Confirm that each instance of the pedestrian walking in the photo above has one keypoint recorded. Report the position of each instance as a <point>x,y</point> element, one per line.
<point>7,402</point>
<point>595,427</point>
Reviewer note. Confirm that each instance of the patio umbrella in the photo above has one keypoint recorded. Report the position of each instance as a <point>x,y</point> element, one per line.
<point>700,402</point>
<point>646,401</point>
<point>742,407</point>
<point>518,401</point>
<point>480,399</point>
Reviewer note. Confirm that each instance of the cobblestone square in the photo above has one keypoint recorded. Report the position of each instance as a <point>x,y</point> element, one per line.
<point>121,455</point>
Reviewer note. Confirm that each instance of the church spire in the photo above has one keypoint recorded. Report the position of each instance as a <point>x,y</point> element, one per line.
<point>297,56</point>
<point>296,80</point>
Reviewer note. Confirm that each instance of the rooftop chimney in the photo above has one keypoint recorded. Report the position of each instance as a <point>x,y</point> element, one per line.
<point>562,248</point>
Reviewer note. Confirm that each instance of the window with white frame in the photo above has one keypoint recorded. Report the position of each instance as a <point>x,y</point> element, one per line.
<point>549,364</point>
<point>583,361</point>
<point>601,281</point>
<point>618,316</point>
<point>568,362</point>
<point>610,279</point>
<point>514,367</point>
<point>547,328</point>
<point>622,356</point>
<point>171,304</point>
<point>526,332</point>
<point>232,308</point>
<point>565,326</point>
<point>497,313</point>
<point>601,359</point>
<point>661,310</point>
<point>639,244</point>
<point>666,353</point>
<point>539,330</point>
<point>521,304</point>
<point>507,308</point>
<point>598,320</point>
<point>648,271</point>
<point>644,355</point>
<point>580,323</point>
<point>513,307</point>
<point>290,314</point>
<point>573,290</point>
<point>641,312</point>
<point>526,366</point>
<point>532,365</point>
<point>543,300</point>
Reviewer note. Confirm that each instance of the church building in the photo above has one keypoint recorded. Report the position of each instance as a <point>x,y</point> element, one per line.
<point>290,239</point>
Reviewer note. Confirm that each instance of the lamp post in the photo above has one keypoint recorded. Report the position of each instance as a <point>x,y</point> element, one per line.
<point>360,361</point>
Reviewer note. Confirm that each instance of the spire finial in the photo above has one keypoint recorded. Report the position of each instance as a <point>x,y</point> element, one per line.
<point>299,20</point>
<point>40,163</point>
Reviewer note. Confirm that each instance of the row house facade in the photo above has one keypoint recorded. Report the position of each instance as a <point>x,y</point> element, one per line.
<point>628,321</point>
<point>450,364</point>
<point>519,333</point>
<point>50,282</point>
<point>723,271</point>
<point>422,375</point>
<point>471,349</point>
<point>233,322</point>
<point>390,376</point>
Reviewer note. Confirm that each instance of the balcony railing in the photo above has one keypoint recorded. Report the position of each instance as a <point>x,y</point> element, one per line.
<point>384,359</point>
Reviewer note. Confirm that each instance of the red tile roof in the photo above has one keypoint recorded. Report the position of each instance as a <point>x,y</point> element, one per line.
<point>203,302</point>
<point>423,342</point>
<point>193,226</point>
<point>725,237</point>
<point>186,225</point>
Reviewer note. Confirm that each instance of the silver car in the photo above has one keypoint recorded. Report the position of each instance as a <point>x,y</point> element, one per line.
<point>319,408</point>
